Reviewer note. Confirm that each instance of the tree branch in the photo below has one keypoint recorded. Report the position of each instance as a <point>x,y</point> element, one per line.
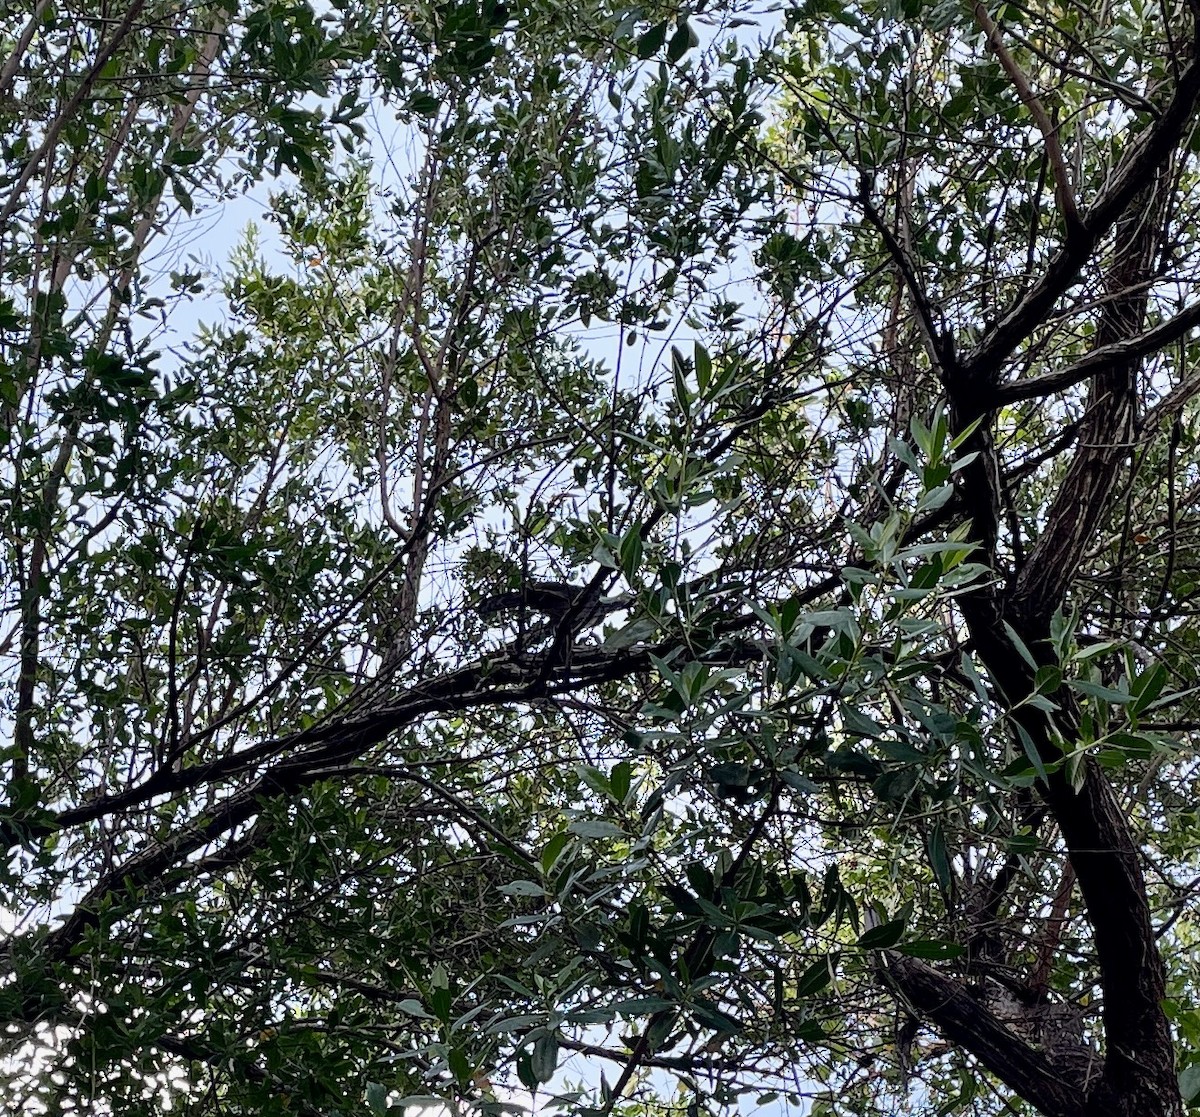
<point>1058,167</point>
<point>946,1004</point>
<point>1099,359</point>
<point>1106,435</point>
<point>1145,155</point>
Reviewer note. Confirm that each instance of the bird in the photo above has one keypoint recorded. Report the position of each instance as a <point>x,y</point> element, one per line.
<point>578,606</point>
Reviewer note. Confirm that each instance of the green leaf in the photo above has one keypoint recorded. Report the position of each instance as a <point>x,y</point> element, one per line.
<point>377,1099</point>
<point>1189,1082</point>
<point>1096,690</point>
<point>411,1007</point>
<point>815,977</point>
<point>1137,745</point>
<point>681,42</point>
<point>630,553</point>
<point>621,780</point>
<point>544,1058</point>
<point>595,779</point>
<point>881,937</point>
<point>1146,688</point>
<point>709,1015</point>
<point>460,1065</point>
<point>552,849</point>
<point>652,40</point>
<point>703,365</point>
<point>1048,679</point>
<point>939,861</point>
<point>1019,645</point>
<point>525,1072</point>
<point>595,828</point>
<point>423,103</point>
<point>1031,751</point>
<point>521,888</point>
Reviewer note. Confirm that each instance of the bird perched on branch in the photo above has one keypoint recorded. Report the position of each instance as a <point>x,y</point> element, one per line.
<point>560,602</point>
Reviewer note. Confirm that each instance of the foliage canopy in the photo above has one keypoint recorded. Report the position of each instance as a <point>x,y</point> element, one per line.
<point>658,568</point>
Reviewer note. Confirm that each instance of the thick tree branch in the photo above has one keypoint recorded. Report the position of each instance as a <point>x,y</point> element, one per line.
<point>1140,164</point>
<point>1099,359</point>
<point>1139,1053</point>
<point>1139,1073</point>
<point>1106,436</point>
<point>946,1004</point>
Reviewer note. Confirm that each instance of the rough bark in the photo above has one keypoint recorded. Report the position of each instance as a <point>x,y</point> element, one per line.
<point>1138,1074</point>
